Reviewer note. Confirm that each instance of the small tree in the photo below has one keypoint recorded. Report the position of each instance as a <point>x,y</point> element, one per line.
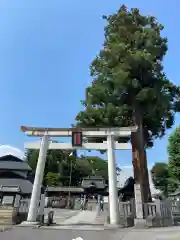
<point>99,167</point>
<point>52,179</point>
<point>160,177</point>
<point>174,157</point>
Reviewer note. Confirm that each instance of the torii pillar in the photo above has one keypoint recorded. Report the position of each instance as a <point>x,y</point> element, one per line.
<point>36,191</point>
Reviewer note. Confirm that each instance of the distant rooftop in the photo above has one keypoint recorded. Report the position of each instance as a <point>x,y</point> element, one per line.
<point>10,157</point>
<point>11,165</point>
<point>93,181</point>
<point>94,178</point>
<point>10,162</point>
<point>64,189</point>
<point>10,184</point>
<point>127,171</point>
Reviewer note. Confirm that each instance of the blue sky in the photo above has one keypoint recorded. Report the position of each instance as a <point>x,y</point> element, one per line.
<point>46,48</point>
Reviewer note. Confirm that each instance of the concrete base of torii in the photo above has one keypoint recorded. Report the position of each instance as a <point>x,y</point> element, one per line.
<point>29,224</point>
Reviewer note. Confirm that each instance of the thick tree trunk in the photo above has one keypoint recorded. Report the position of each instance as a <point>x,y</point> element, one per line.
<point>139,159</point>
<point>147,174</point>
<point>135,158</point>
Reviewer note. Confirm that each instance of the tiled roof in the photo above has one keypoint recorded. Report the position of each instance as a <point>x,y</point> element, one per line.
<point>13,165</point>
<point>65,189</point>
<point>86,183</point>
<point>10,157</point>
<point>7,184</point>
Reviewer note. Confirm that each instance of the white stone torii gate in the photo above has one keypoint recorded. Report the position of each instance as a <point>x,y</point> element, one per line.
<point>110,145</point>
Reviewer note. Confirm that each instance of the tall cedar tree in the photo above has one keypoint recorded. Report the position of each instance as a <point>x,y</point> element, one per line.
<point>128,77</point>
<point>129,85</point>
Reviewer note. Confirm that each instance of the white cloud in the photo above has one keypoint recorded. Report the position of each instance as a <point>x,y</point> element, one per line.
<point>8,150</point>
<point>127,171</point>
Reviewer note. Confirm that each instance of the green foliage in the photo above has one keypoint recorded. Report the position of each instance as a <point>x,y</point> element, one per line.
<point>160,177</point>
<point>59,166</point>
<point>174,157</point>
<point>31,157</point>
<point>52,161</point>
<point>52,158</point>
<point>128,77</point>
<point>52,179</point>
<point>166,177</point>
<point>97,166</point>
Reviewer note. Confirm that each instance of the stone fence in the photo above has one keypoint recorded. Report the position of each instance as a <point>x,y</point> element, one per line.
<point>156,214</point>
<point>176,212</point>
<point>19,212</point>
<point>127,213</point>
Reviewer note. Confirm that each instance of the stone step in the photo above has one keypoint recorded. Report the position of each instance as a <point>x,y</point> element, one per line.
<point>6,217</point>
<point>3,210</point>
<point>6,214</point>
<point>5,222</point>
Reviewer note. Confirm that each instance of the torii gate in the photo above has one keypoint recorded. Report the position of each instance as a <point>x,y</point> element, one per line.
<point>77,143</point>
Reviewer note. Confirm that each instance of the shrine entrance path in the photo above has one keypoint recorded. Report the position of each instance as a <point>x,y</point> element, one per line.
<point>73,217</point>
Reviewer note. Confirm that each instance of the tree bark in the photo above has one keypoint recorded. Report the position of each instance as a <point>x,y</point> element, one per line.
<point>135,158</point>
<point>139,159</point>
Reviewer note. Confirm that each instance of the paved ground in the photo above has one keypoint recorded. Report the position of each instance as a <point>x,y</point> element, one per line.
<point>61,215</point>
<point>120,234</point>
<point>39,234</point>
<point>71,217</point>
<point>82,217</point>
<point>73,224</point>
